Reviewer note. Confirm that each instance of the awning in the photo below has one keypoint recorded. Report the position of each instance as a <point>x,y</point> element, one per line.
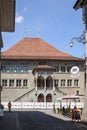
<point>80,4</point>
<point>71,97</point>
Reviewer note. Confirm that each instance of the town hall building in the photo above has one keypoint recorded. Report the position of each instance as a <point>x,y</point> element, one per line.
<point>35,71</point>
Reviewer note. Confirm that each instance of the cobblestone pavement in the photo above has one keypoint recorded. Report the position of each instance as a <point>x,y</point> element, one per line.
<point>79,125</point>
<point>37,120</point>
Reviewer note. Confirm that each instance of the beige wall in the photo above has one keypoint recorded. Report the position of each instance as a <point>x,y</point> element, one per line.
<point>29,93</point>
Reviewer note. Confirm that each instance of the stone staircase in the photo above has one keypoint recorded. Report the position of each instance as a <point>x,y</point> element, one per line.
<point>65,91</point>
<point>60,91</point>
<point>24,95</point>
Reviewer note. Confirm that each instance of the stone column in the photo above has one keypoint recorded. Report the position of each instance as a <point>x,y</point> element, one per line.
<point>0,64</point>
<point>7,83</point>
<point>84,114</point>
<point>45,83</point>
<point>0,92</point>
<point>53,85</point>
<point>36,82</point>
<point>22,83</point>
<point>15,83</point>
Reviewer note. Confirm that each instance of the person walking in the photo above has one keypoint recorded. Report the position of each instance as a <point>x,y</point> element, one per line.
<point>9,106</point>
<point>63,111</point>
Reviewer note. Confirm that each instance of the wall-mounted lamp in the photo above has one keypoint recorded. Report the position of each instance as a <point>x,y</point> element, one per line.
<point>80,39</point>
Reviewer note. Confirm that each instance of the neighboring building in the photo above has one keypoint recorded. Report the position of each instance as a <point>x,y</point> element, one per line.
<point>83,4</point>
<point>7,23</point>
<point>80,4</point>
<point>7,17</point>
<point>33,70</point>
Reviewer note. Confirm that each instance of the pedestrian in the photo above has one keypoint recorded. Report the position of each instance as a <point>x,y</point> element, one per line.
<point>1,106</point>
<point>9,106</point>
<point>64,111</point>
<point>76,114</point>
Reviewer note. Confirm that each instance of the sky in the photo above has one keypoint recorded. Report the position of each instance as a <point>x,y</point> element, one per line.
<point>54,21</point>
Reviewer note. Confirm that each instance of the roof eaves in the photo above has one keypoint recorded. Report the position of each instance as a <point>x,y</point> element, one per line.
<point>80,4</point>
<point>42,57</point>
<point>1,41</point>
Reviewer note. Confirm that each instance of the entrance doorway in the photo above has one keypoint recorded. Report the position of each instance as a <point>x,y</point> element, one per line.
<point>49,98</point>
<point>41,98</point>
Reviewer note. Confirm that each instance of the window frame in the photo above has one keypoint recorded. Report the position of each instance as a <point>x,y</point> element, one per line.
<point>18,82</point>
<point>25,82</point>
<point>4,82</point>
<point>11,82</point>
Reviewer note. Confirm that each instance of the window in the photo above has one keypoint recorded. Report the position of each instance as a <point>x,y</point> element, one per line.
<point>18,82</point>
<point>4,82</point>
<point>56,82</point>
<point>12,68</point>
<point>62,69</point>
<point>68,69</point>
<point>69,82</point>
<point>25,82</point>
<point>76,82</point>
<point>63,82</point>
<point>57,68</point>
<point>18,68</point>
<point>4,68</point>
<point>42,63</point>
<point>77,92</point>
<point>11,82</point>
<point>25,68</point>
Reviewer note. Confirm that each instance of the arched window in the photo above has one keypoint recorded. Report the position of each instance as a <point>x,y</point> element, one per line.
<point>40,82</point>
<point>49,83</point>
<point>41,98</point>
<point>49,98</point>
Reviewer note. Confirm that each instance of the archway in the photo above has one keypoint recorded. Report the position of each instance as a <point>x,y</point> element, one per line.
<point>40,82</point>
<point>49,83</point>
<point>41,98</point>
<point>49,98</point>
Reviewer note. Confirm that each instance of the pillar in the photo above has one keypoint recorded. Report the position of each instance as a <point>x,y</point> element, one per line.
<point>84,114</point>
<point>36,83</point>
<point>0,76</point>
<point>45,83</point>
<point>53,85</point>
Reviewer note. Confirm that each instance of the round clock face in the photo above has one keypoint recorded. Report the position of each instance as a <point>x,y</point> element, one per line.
<point>74,70</point>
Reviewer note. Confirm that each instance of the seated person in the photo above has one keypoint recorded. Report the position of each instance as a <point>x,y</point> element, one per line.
<point>76,113</point>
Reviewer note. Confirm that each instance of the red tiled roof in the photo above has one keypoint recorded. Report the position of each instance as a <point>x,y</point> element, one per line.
<point>44,67</point>
<point>35,48</point>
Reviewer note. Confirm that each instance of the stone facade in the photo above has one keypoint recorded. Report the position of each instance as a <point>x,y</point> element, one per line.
<point>40,80</point>
<point>24,81</point>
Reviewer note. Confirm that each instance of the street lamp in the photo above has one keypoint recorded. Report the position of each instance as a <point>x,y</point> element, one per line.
<point>0,77</point>
<point>80,39</point>
<point>83,39</point>
<point>83,4</point>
